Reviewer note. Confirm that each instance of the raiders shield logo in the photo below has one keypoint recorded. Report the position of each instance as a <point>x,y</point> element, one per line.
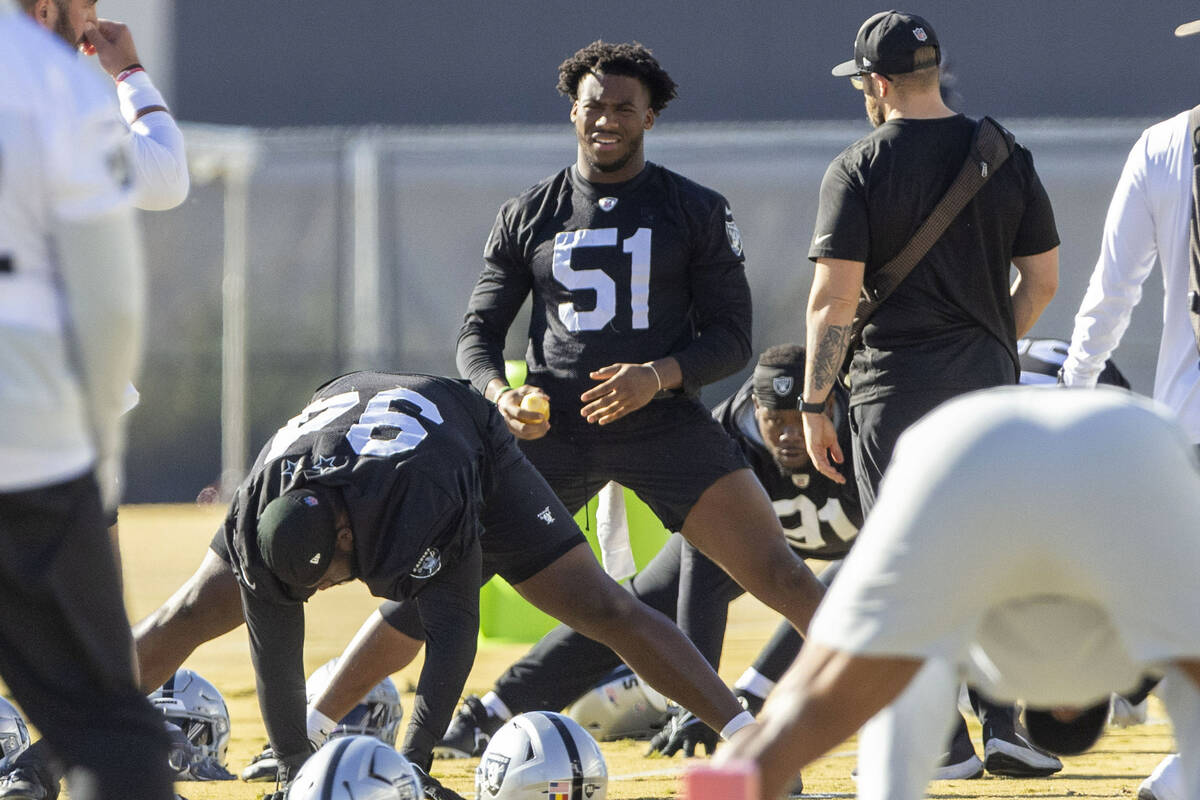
<point>490,774</point>
<point>782,384</point>
<point>428,564</point>
<point>732,232</point>
<point>607,203</point>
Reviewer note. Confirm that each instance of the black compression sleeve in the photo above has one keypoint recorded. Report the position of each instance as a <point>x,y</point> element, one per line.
<point>449,609</point>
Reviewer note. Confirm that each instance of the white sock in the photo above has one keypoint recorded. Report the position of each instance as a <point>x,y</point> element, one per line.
<point>492,702</point>
<point>755,683</point>
<point>319,726</point>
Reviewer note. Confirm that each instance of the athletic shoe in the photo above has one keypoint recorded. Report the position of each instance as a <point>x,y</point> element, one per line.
<point>960,764</point>
<point>1016,757</point>
<point>25,784</point>
<point>263,767</point>
<point>1165,783</point>
<point>469,731</point>
<point>967,769</point>
<point>1124,714</point>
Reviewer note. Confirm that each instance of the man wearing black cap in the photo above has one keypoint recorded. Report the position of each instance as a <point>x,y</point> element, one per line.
<point>952,324</point>
<point>1031,618</point>
<point>413,485</point>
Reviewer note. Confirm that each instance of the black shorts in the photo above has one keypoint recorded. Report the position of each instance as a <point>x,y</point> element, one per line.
<point>669,459</point>
<point>526,528</point>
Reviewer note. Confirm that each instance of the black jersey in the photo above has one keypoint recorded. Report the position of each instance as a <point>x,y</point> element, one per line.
<point>819,517</point>
<point>409,455</point>
<point>627,272</point>
<point>949,324</point>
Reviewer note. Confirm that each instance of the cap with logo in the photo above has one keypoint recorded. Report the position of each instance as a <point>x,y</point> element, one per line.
<point>887,43</point>
<point>297,532</point>
<point>777,385</point>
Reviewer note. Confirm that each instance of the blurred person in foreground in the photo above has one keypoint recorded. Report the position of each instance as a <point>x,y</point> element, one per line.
<point>1042,610</point>
<point>71,300</point>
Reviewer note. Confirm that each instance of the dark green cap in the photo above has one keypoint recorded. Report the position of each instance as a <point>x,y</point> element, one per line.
<point>296,536</point>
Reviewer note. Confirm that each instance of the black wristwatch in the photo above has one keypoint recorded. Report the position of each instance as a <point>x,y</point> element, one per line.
<point>811,408</point>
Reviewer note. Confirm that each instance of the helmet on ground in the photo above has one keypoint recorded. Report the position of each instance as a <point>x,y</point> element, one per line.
<point>14,735</point>
<point>378,714</point>
<point>541,755</point>
<point>195,705</point>
<point>356,767</point>
<point>1041,359</point>
<point>621,706</point>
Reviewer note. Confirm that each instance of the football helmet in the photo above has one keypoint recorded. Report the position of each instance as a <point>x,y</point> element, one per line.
<point>621,706</point>
<point>195,705</point>
<point>14,735</point>
<point>540,755</point>
<point>378,714</point>
<point>356,767</point>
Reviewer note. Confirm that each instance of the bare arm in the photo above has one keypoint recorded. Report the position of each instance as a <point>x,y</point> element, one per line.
<point>1037,280</point>
<point>831,305</point>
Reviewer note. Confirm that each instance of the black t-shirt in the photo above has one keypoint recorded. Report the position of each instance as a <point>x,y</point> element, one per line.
<point>933,330</point>
<point>820,518</point>
<point>627,272</point>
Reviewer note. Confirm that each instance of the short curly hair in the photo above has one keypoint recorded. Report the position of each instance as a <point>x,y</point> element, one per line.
<point>632,60</point>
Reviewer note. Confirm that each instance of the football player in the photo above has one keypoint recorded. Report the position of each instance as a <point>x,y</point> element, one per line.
<point>413,485</point>
<point>640,297</point>
<point>1032,617</point>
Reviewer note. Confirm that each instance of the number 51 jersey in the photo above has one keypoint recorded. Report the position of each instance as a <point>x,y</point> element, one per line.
<point>411,455</point>
<point>626,272</point>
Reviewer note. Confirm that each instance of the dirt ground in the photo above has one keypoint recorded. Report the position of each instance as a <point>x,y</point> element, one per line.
<point>162,545</point>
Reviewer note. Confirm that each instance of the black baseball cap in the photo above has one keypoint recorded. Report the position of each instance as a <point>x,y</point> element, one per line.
<point>297,532</point>
<point>1067,738</point>
<point>887,43</point>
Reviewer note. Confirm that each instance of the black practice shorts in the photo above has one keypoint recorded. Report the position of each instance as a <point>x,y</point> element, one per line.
<point>676,451</point>
<point>526,528</point>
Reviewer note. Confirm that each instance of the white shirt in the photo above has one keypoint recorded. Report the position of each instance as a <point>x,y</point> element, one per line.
<point>63,163</point>
<point>1148,220</point>
<point>158,156</point>
<point>1009,529</point>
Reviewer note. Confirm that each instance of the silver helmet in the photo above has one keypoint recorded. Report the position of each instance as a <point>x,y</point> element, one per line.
<point>541,754</point>
<point>356,767</point>
<point>378,714</point>
<point>14,735</point>
<point>621,706</point>
<point>197,707</point>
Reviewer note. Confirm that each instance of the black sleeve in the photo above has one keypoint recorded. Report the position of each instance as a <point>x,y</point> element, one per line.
<point>721,305</point>
<point>842,229</point>
<point>1037,232</point>
<point>495,301</point>
<point>449,610</point>
<point>277,651</point>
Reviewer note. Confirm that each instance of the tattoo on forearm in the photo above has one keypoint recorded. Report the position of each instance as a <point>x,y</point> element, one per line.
<point>831,350</point>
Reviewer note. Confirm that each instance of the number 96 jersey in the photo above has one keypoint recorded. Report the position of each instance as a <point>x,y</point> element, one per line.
<point>626,272</point>
<point>412,456</point>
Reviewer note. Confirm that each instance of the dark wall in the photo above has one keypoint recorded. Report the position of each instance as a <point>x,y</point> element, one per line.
<point>308,62</point>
